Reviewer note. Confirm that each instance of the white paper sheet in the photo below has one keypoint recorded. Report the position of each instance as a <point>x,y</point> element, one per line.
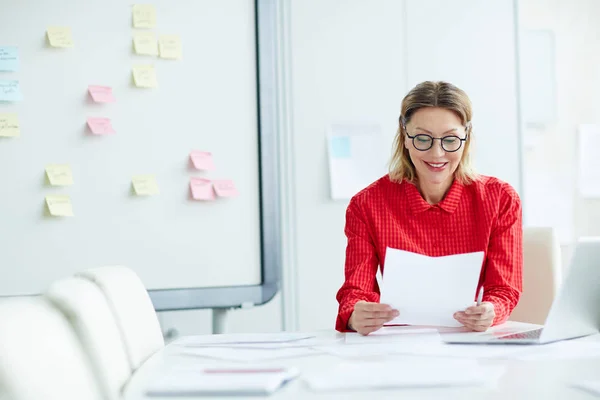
<point>242,338</point>
<point>218,380</point>
<point>429,290</point>
<point>400,374</point>
<point>246,355</point>
<point>589,162</point>
<point>357,158</point>
<point>592,387</point>
<point>392,334</point>
<point>565,350</point>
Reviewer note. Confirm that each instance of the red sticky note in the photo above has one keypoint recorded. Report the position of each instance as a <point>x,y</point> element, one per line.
<point>225,188</point>
<point>100,126</point>
<point>202,160</point>
<point>101,94</point>
<point>202,189</point>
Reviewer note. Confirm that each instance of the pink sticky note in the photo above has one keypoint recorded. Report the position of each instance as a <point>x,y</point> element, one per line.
<point>202,160</point>
<point>202,189</point>
<point>100,126</point>
<point>101,94</point>
<point>225,188</point>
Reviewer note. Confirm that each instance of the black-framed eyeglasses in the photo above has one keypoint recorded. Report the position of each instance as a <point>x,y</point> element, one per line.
<point>423,142</point>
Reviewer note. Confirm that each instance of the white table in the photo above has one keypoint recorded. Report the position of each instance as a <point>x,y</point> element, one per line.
<point>532,379</point>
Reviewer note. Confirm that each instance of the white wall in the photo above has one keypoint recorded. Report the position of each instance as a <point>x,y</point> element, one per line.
<point>355,60</point>
<point>348,65</point>
<point>577,65</point>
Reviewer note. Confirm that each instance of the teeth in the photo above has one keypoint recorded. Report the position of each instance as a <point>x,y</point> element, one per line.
<point>436,165</point>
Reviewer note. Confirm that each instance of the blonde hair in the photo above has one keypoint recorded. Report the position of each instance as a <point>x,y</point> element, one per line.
<point>432,94</point>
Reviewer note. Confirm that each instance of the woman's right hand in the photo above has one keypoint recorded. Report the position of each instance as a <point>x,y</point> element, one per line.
<point>369,317</point>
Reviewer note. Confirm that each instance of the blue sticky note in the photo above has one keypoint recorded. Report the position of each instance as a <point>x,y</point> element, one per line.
<point>10,91</point>
<point>9,59</point>
<point>340,147</point>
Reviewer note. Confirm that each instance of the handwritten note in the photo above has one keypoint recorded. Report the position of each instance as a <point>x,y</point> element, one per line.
<point>9,125</point>
<point>144,76</point>
<point>202,160</point>
<point>225,188</point>
<point>145,185</point>
<point>144,16</point>
<point>101,94</point>
<point>9,59</point>
<point>60,36</point>
<point>10,91</point>
<point>100,126</point>
<point>59,206</point>
<point>144,43</point>
<point>59,174</point>
<point>202,189</point>
<point>170,47</point>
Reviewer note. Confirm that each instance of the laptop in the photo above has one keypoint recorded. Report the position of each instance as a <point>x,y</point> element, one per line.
<point>575,311</point>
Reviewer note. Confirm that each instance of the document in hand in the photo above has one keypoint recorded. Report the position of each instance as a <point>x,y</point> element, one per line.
<point>429,290</point>
<point>220,381</point>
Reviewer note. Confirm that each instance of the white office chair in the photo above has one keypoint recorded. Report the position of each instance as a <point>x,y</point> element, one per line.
<point>541,275</point>
<point>86,307</point>
<point>133,310</point>
<point>40,356</point>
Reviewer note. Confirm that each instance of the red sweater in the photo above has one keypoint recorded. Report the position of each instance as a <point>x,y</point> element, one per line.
<point>482,216</point>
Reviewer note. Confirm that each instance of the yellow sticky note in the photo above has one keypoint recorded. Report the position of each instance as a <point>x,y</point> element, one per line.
<point>170,46</point>
<point>9,125</point>
<point>60,36</point>
<point>144,43</point>
<point>144,185</point>
<point>144,16</point>
<point>59,206</point>
<point>144,76</point>
<point>59,174</point>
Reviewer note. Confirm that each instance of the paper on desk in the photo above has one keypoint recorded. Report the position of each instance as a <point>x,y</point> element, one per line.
<point>399,374</point>
<point>383,345</point>
<point>247,355</point>
<point>589,162</point>
<point>391,334</point>
<point>429,290</point>
<point>242,338</point>
<point>569,349</point>
<point>221,381</point>
<point>592,387</point>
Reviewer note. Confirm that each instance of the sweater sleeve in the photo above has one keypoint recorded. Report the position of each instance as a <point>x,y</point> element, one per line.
<point>502,281</point>
<point>360,267</point>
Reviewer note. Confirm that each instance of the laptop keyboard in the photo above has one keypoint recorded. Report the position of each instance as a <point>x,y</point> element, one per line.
<point>535,334</point>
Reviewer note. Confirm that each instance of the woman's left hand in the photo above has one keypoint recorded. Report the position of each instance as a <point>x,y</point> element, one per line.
<point>477,318</point>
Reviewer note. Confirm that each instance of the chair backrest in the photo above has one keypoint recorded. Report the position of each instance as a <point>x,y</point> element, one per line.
<point>541,275</point>
<point>40,356</point>
<point>133,310</point>
<point>87,309</point>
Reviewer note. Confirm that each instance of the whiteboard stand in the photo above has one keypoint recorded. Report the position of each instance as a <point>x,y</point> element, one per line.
<point>219,320</point>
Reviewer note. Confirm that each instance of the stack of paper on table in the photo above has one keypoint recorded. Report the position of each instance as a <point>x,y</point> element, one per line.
<point>247,355</point>
<point>223,381</point>
<point>403,374</point>
<point>252,347</point>
<point>245,338</point>
<point>589,386</point>
<point>429,290</point>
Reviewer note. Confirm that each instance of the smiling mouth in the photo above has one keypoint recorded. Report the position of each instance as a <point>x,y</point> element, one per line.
<point>436,165</point>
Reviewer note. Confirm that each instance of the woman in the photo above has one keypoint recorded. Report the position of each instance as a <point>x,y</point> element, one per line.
<point>432,203</point>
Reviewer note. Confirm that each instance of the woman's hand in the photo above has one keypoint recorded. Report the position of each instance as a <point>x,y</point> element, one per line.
<point>477,318</point>
<point>369,317</point>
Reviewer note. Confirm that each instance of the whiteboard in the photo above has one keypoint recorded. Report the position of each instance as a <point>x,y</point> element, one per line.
<point>205,101</point>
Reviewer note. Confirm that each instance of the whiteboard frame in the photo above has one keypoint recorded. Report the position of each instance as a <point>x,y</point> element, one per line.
<point>270,210</point>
